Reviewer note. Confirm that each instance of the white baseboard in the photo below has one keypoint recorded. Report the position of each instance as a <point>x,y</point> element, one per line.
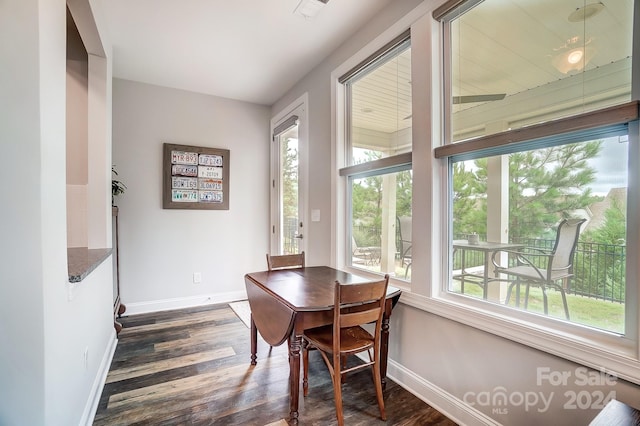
<point>182,302</point>
<point>444,402</point>
<point>98,384</point>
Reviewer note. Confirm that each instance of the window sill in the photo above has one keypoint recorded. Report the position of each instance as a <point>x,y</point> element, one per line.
<point>598,350</point>
<point>82,260</point>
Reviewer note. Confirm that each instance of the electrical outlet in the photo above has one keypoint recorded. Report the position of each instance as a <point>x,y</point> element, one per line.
<point>197,277</point>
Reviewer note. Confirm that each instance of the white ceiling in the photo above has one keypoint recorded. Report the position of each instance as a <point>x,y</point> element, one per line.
<point>256,50</point>
<point>516,48</point>
<point>249,50</point>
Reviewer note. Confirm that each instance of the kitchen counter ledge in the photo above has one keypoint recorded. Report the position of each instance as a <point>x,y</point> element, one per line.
<point>82,260</point>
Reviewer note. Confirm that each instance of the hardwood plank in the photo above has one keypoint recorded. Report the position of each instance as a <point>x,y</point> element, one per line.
<point>165,364</point>
<point>192,367</point>
<point>220,377</point>
<point>179,322</point>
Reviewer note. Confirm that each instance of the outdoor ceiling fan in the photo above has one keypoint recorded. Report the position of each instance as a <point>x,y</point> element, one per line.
<point>478,98</point>
<point>473,98</point>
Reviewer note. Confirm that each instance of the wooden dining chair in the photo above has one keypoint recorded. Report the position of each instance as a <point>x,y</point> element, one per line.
<point>354,306</point>
<point>285,261</point>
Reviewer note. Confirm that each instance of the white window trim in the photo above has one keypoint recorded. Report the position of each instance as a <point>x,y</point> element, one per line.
<point>339,192</point>
<point>596,349</point>
<point>577,343</point>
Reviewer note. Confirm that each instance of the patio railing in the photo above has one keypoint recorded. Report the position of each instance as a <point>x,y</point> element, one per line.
<point>599,269</point>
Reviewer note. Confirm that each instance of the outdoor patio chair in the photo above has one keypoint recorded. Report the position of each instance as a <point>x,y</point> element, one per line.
<point>364,255</point>
<point>404,242</point>
<point>543,268</point>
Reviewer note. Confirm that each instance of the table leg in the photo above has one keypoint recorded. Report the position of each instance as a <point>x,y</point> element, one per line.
<point>295,343</point>
<point>254,342</point>
<point>384,349</point>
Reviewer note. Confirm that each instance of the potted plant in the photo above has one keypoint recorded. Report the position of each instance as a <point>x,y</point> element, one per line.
<point>117,187</point>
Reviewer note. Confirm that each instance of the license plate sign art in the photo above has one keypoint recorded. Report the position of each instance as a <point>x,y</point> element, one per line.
<point>195,177</point>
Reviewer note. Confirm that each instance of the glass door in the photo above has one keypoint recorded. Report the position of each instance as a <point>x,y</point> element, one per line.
<point>287,193</point>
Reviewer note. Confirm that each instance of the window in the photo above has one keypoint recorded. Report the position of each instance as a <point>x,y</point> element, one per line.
<point>540,132</point>
<point>378,161</point>
<point>503,78</point>
<point>583,180</point>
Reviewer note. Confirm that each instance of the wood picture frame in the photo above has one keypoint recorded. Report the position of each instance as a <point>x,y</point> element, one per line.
<point>195,177</point>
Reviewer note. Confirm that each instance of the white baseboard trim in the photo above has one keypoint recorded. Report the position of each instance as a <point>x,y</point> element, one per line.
<point>98,384</point>
<point>444,402</point>
<point>183,302</point>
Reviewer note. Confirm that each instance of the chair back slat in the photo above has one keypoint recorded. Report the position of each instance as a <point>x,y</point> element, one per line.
<point>358,304</point>
<point>359,293</point>
<point>358,318</point>
<point>285,261</point>
<point>404,230</point>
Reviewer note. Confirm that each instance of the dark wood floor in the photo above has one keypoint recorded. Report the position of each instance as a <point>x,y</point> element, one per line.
<point>192,367</point>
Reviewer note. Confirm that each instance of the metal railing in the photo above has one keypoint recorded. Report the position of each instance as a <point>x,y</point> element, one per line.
<point>599,269</point>
<point>289,241</point>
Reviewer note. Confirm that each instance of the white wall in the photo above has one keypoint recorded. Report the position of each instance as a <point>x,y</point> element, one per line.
<point>161,249</point>
<point>76,151</point>
<point>449,364</point>
<point>317,84</point>
<point>43,332</point>
<point>22,316</point>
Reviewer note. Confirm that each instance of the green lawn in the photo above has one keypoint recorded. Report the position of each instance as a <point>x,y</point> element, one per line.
<point>587,311</point>
<point>582,310</point>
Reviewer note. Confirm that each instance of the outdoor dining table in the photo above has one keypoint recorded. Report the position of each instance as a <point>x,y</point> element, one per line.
<point>286,302</point>
<point>487,248</point>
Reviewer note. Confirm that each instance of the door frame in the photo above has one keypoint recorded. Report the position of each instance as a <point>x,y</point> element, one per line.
<point>300,108</point>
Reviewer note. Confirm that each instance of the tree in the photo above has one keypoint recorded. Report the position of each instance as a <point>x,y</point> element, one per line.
<point>404,191</point>
<point>613,230</point>
<point>289,158</point>
<point>367,198</point>
<point>606,255</point>
<point>545,185</point>
<point>469,203</point>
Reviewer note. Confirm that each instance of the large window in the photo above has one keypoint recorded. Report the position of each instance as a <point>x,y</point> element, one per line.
<point>514,63</point>
<point>539,133</point>
<point>378,160</point>
<point>583,180</point>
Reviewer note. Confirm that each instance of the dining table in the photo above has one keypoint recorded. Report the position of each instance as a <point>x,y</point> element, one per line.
<point>286,302</point>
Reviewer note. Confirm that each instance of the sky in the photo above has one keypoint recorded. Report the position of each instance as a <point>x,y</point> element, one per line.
<point>611,166</point>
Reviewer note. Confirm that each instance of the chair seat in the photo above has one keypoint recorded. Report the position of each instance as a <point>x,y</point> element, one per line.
<point>352,339</point>
<point>558,265</point>
<point>529,272</point>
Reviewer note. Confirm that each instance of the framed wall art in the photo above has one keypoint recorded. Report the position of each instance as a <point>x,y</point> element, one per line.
<point>195,177</point>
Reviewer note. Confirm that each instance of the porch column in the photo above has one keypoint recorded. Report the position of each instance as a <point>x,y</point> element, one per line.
<point>388,237</point>
<point>497,209</point>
